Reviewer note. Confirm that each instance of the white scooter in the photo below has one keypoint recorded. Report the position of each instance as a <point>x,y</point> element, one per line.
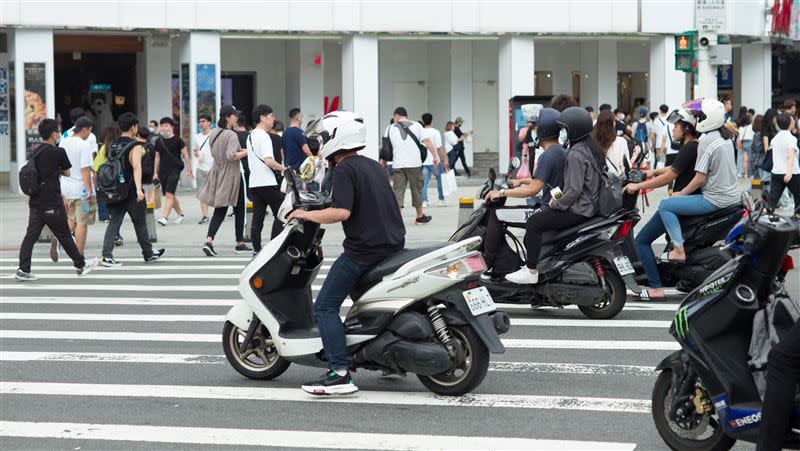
<point>419,311</point>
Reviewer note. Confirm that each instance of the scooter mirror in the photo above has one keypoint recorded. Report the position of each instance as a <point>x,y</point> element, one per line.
<point>515,163</point>
<point>492,175</point>
<point>747,201</point>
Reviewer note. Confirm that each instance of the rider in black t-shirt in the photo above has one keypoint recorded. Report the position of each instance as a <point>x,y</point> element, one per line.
<point>364,203</point>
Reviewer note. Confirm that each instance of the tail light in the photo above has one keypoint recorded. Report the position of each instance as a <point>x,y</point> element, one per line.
<point>624,229</point>
<point>788,264</point>
<point>459,269</point>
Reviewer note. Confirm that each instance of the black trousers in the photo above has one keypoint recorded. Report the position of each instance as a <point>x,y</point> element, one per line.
<point>777,186</point>
<point>56,220</point>
<point>783,374</point>
<point>495,235</point>
<point>238,214</point>
<point>547,219</point>
<point>454,155</point>
<point>138,213</point>
<point>263,196</point>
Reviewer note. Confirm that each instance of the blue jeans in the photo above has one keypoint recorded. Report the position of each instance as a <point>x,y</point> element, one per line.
<point>427,170</point>
<point>644,248</point>
<point>341,279</point>
<point>671,208</point>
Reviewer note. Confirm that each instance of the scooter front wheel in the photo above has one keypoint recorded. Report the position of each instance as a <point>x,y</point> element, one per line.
<point>260,360</point>
<point>469,373</point>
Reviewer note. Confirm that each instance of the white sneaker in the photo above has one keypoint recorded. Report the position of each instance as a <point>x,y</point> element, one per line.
<point>523,276</point>
<point>163,221</point>
<point>443,203</point>
<point>178,220</point>
<point>425,204</point>
<point>89,265</point>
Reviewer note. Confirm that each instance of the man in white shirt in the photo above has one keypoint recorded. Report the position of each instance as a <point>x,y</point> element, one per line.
<point>407,161</point>
<point>663,131</point>
<point>785,165</point>
<point>202,151</point>
<point>264,190</point>
<point>434,163</point>
<point>76,188</point>
<point>74,114</point>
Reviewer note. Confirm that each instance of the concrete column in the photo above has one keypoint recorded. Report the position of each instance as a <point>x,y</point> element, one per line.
<point>607,69</point>
<point>756,77</point>
<point>28,46</point>
<point>360,86</point>
<point>589,74</point>
<point>312,79</point>
<point>461,103</point>
<point>439,74</point>
<point>515,77</point>
<point>157,95</point>
<point>666,85</point>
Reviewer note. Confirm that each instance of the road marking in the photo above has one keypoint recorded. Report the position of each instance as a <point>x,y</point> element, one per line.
<point>286,439</point>
<point>263,393</point>
<point>216,338</point>
<point>158,269</point>
<point>211,359</point>
<point>171,318</point>
<point>244,259</point>
<point>178,277</point>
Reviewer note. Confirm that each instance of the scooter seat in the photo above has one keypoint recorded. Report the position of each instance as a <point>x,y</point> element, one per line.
<point>556,235</point>
<point>392,264</point>
<point>691,222</point>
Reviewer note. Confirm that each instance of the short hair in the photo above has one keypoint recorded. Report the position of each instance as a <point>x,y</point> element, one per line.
<point>75,113</point>
<point>788,104</point>
<point>127,121</point>
<point>241,120</point>
<point>563,101</point>
<point>401,111</point>
<point>153,122</point>
<point>590,109</point>
<point>204,116</point>
<point>294,112</point>
<point>167,120</point>
<point>653,116</point>
<point>751,112</point>
<point>663,108</point>
<point>277,126</point>
<point>427,119</point>
<point>47,127</point>
<point>261,110</point>
<point>784,121</point>
<point>605,107</point>
<point>449,125</point>
<point>144,132</point>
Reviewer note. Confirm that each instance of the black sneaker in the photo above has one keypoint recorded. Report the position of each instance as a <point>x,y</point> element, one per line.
<point>488,274</point>
<point>242,249</point>
<point>110,262</point>
<point>23,276</point>
<point>424,219</point>
<point>156,255</point>
<point>118,240</point>
<point>331,384</point>
<point>208,249</point>
<point>203,220</point>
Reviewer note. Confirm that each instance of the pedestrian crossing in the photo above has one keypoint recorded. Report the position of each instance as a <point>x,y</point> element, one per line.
<point>131,357</point>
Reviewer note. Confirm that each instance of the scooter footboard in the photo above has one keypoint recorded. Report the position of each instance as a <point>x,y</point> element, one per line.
<point>240,315</point>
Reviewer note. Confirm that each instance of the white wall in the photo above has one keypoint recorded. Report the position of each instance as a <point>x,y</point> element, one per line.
<point>401,62</point>
<point>560,58</point>
<point>266,58</point>
<point>633,56</point>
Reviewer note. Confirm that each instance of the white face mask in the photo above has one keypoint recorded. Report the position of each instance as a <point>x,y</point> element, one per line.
<point>562,137</point>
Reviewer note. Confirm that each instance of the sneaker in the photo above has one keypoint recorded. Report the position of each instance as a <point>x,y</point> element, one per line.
<point>118,241</point>
<point>443,203</point>
<point>203,220</point>
<point>54,250</point>
<point>110,262</point>
<point>331,384</point>
<point>523,276</point>
<point>242,249</point>
<point>23,276</point>
<point>230,215</point>
<point>178,220</point>
<point>155,256</point>
<point>88,266</point>
<point>163,221</point>
<point>424,219</point>
<point>208,249</point>
<point>488,274</point>
<point>425,204</point>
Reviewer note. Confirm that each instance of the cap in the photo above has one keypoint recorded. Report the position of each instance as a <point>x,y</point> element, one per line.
<point>82,122</point>
<point>642,111</point>
<point>228,110</point>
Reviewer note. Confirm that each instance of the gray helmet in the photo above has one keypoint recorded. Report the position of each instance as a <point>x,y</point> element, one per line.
<point>577,122</point>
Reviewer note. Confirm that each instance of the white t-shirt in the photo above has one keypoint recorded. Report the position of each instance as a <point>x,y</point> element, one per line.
<point>780,145</point>
<point>747,132</point>
<point>616,155</point>
<point>80,156</point>
<point>450,140</point>
<point>436,139</point>
<point>205,160</point>
<point>661,127</point>
<point>405,151</point>
<point>91,140</point>
<point>259,146</point>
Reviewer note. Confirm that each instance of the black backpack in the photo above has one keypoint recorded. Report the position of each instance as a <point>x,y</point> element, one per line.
<point>112,184</point>
<point>29,181</point>
<point>149,161</point>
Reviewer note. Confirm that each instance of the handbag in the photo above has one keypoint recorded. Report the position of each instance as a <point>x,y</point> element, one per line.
<point>449,185</point>
<point>766,165</point>
<point>609,196</point>
<point>524,171</point>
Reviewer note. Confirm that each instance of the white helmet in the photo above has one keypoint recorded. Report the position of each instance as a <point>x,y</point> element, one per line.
<point>710,113</point>
<point>682,115</point>
<point>338,131</point>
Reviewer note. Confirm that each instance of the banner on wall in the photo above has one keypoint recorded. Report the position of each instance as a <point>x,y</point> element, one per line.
<point>4,124</point>
<point>176,103</point>
<point>185,91</point>
<point>35,102</point>
<point>206,91</point>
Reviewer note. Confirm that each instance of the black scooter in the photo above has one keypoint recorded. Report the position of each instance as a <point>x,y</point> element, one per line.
<point>706,397</point>
<point>584,265</point>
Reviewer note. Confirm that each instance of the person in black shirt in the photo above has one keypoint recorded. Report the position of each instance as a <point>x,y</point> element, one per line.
<point>681,173</point>
<point>363,201</point>
<point>457,152</point>
<point>170,148</point>
<point>47,207</point>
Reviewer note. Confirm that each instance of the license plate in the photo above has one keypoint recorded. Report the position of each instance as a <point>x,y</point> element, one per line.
<point>479,301</point>
<point>623,265</point>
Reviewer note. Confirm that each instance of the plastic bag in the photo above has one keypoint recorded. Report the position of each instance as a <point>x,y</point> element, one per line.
<point>449,185</point>
<point>524,171</point>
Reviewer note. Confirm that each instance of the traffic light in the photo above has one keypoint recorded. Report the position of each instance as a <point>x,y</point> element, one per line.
<point>684,51</point>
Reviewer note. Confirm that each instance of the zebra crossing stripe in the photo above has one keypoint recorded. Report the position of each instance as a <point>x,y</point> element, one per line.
<point>287,439</point>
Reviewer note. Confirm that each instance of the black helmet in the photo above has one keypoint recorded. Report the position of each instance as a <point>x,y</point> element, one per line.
<point>577,121</point>
<point>548,124</point>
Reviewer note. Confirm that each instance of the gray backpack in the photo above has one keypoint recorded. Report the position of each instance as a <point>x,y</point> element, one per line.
<point>769,324</point>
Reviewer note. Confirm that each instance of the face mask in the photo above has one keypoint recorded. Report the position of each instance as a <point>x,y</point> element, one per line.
<point>562,137</point>
<point>167,134</point>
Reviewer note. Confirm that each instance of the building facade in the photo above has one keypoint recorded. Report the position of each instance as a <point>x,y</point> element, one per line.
<point>450,58</point>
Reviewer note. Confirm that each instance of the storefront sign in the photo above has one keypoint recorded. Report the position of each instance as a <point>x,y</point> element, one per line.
<point>35,102</point>
<point>206,91</point>
<point>185,91</point>
<point>710,15</point>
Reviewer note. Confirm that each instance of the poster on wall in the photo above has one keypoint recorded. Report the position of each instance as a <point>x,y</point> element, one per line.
<point>176,103</point>
<point>35,103</point>
<point>185,127</point>
<point>4,102</point>
<point>206,91</point>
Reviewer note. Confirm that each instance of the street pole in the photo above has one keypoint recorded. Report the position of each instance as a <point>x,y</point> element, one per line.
<point>706,72</point>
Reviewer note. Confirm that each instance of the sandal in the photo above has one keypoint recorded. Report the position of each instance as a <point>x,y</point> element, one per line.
<point>645,296</point>
<point>664,258</point>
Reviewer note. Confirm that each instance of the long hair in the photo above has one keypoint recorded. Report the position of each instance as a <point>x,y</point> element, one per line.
<point>743,119</point>
<point>110,134</point>
<point>758,123</point>
<point>605,130</point>
<point>598,153</point>
<point>768,127</point>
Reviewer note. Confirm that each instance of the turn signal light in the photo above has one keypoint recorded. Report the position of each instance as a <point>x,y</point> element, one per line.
<point>258,282</point>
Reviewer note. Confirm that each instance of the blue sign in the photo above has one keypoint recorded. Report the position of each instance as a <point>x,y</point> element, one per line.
<point>725,76</point>
<point>100,87</point>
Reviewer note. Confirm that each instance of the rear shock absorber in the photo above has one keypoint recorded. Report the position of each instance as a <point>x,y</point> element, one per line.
<point>440,327</point>
<point>601,272</point>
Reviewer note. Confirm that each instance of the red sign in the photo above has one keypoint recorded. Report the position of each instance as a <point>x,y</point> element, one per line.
<point>781,16</point>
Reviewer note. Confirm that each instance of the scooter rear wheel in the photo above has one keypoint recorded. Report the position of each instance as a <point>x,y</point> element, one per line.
<point>678,437</point>
<point>613,299</point>
<point>260,361</point>
<point>469,374</point>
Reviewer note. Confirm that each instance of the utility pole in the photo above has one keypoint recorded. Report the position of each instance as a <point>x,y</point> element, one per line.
<point>706,71</point>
